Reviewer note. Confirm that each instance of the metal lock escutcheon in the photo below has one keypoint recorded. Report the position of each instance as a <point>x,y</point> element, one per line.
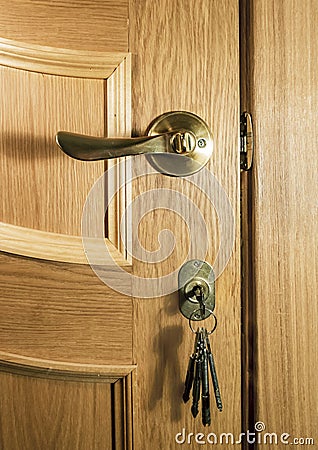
<point>196,275</point>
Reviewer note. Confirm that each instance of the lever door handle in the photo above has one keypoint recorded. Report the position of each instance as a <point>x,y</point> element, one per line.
<point>178,143</point>
<point>90,148</point>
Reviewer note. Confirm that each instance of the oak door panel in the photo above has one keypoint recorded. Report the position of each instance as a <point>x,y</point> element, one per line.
<point>97,25</point>
<point>62,413</point>
<point>185,57</point>
<point>43,188</point>
<point>61,311</point>
<point>282,81</point>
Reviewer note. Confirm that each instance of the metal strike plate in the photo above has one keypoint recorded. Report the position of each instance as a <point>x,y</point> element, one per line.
<point>196,273</point>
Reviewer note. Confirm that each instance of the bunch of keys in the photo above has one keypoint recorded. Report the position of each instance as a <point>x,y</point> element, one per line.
<point>197,377</point>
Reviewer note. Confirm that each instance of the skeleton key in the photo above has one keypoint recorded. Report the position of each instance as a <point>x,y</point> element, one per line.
<point>197,376</point>
<point>190,372</point>
<point>206,414</point>
<point>215,383</point>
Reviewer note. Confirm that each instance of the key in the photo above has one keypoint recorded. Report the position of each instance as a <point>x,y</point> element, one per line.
<point>190,372</point>
<point>197,378</point>
<point>189,379</point>
<point>206,414</point>
<point>199,295</point>
<point>214,377</point>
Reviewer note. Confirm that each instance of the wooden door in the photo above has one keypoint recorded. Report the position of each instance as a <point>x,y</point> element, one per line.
<point>280,89</point>
<point>84,365</point>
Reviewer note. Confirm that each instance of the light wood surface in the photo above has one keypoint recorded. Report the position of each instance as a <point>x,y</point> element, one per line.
<point>189,63</point>
<point>98,25</point>
<point>118,123</point>
<point>60,370</point>
<point>184,57</point>
<point>64,334</point>
<point>62,312</point>
<point>121,414</point>
<point>63,414</point>
<point>283,84</point>
<point>80,105</point>
<point>43,188</point>
<point>55,247</point>
<point>66,338</point>
<point>58,61</point>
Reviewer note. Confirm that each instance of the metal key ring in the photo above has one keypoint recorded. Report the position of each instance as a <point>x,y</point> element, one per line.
<point>211,314</point>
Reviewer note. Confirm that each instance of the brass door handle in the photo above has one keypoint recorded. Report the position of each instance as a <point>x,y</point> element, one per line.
<point>178,143</point>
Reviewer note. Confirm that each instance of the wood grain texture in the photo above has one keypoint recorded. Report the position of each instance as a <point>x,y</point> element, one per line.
<point>45,189</point>
<point>99,25</point>
<point>38,414</point>
<point>55,61</point>
<point>118,123</point>
<point>62,312</point>
<point>283,69</point>
<point>122,414</point>
<point>61,370</point>
<point>249,349</point>
<point>185,57</point>
<point>64,334</point>
<point>55,247</point>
